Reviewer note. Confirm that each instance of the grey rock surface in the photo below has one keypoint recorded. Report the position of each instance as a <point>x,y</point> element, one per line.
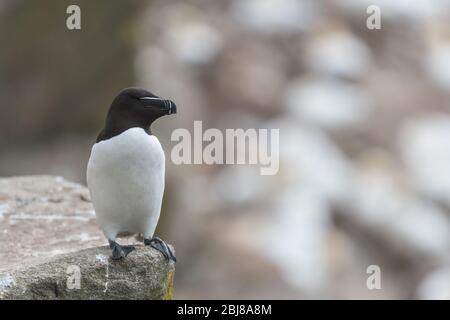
<point>91,274</point>
<point>51,248</point>
<point>42,216</point>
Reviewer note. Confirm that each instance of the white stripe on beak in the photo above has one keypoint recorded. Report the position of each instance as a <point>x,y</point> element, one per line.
<point>150,98</point>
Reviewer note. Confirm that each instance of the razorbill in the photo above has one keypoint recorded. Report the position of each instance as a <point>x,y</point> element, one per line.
<point>125,172</point>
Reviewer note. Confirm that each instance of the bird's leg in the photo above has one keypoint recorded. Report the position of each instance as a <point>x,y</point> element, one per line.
<point>161,246</point>
<point>118,251</point>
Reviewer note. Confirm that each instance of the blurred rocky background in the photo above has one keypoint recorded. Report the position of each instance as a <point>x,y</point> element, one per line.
<point>364,119</point>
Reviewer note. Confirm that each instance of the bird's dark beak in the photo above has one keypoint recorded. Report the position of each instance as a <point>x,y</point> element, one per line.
<point>172,107</point>
<point>163,104</point>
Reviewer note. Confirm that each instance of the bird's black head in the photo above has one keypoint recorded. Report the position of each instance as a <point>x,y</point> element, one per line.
<point>135,107</point>
<point>140,106</point>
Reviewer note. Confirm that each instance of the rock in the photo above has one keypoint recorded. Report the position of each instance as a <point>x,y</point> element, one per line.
<point>425,150</point>
<point>435,285</point>
<point>48,231</point>
<point>41,216</point>
<point>189,37</point>
<point>324,168</point>
<point>144,274</point>
<point>437,63</point>
<point>405,11</point>
<point>276,16</point>
<point>328,103</point>
<point>380,192</point>
<point>303,219</point>
<point>338,53</point>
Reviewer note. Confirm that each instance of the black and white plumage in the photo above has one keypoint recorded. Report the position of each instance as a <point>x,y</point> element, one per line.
<point>125,172</point>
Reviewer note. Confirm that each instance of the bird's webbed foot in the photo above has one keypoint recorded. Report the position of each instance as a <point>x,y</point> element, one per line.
<point>161,246</point>
<point>118,251</point>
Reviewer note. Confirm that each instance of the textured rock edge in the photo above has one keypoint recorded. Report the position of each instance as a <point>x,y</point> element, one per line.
<point>144,274</point>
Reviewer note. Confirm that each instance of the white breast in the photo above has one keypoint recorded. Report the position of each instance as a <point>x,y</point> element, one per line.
<point>125,176</point>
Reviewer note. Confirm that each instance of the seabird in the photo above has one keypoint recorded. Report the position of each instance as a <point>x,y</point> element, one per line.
<point>125,172</point>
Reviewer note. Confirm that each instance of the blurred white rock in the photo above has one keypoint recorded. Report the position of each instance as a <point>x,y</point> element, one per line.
<point>276,16</point>
<point>4,208</point>
<point>414,11</point>
<point>195,42</point>
<point>294,230</point>
<point>337,53</point>
<point>327,103</point>
<point>309,158</point>
<point>425,147</point>
<point>435,285</point>
<point>295,239</point>
<point>241,185</point>
<point>383,205</point>
<point>437,63</point>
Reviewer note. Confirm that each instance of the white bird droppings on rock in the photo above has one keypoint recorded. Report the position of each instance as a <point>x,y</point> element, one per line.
<point>6,282</point>
<point>4,208</point>
<point>102,259</point>
<point>49,217</point>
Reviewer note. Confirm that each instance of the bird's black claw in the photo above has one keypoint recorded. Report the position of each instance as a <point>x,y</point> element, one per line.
<point>162,247</point>
<point>118,251</point>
